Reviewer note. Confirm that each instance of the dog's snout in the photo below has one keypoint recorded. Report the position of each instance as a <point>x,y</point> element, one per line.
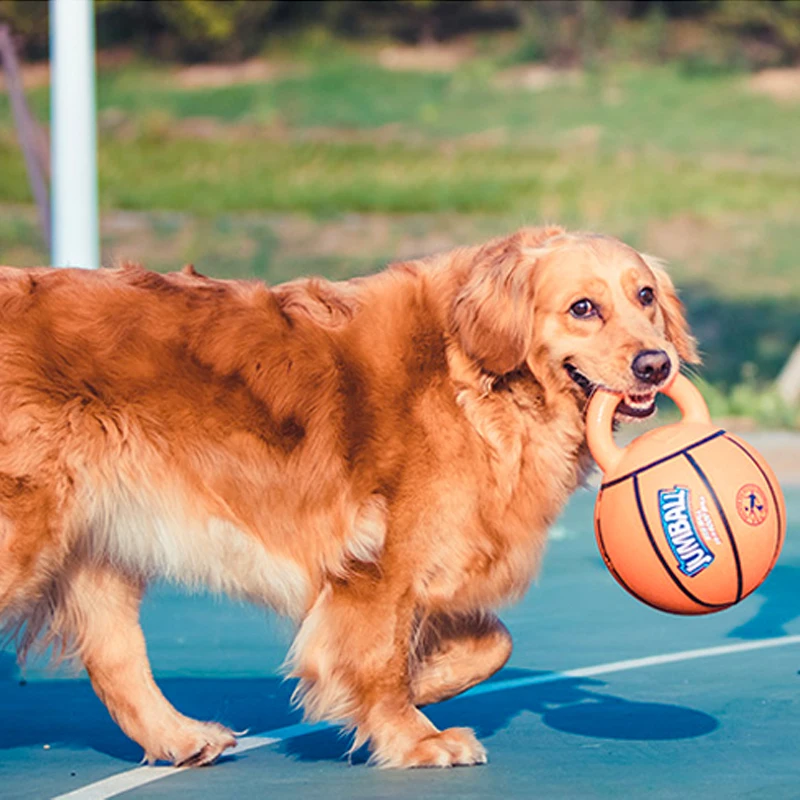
<point>651,366</point>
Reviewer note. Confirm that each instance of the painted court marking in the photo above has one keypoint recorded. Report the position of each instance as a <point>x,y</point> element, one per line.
<point>140,776</point>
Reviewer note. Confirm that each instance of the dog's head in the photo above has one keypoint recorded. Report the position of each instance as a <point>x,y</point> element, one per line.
<point>580,310</point>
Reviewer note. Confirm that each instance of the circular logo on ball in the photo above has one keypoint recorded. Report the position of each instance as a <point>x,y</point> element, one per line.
<point>751,503</point>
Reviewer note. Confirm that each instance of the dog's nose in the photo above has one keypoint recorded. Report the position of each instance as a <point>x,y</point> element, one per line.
<point>651,366</point>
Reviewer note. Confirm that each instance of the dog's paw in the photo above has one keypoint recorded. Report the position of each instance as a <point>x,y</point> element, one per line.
<point>193,744</point>
<point>448,748</point>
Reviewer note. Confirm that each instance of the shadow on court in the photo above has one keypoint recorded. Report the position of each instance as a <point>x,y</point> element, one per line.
<point>68,712</point>
<point>780,605</point>
<point>571,706</point>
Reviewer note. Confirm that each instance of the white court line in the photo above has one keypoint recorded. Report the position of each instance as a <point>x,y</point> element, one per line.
<point>124,781</point>
<point>140,776</point>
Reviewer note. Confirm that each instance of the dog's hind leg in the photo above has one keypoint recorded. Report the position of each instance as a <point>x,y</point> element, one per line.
<point>456,652</point>
<point>101,611</point>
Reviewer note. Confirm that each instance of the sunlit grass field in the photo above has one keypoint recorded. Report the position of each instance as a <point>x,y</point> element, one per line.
<point>336,165</point>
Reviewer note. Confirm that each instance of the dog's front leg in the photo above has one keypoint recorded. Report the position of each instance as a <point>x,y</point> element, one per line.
<point>100,610</point>
<point>352,656</point>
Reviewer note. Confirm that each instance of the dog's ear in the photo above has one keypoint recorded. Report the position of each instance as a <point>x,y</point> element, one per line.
<point>676,326</point>
<point>492,315</point>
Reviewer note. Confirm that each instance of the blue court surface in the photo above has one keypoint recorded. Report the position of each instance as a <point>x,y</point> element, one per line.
<point>603,697</point>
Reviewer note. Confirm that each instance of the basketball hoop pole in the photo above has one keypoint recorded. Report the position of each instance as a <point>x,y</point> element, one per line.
<point>73,134</point>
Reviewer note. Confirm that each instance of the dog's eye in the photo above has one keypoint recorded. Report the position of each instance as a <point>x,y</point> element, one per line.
<point>581,309</point>
<point>646,296</point>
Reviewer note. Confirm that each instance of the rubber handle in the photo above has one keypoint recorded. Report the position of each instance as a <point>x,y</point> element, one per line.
<point>600,418</point>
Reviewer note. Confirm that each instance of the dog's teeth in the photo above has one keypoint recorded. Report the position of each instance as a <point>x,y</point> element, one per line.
<point>643,400</point>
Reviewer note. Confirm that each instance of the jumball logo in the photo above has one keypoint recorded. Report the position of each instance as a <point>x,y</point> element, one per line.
<point>686,544</point>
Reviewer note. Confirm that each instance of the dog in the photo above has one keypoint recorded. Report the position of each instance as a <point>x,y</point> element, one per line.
<point>377,459</point>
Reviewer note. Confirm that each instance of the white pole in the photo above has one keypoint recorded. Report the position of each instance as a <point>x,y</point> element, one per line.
<point>788,382</point>
<point>73,134</point>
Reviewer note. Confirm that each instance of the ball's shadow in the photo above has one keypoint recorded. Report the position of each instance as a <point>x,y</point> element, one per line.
<point>780,605</point>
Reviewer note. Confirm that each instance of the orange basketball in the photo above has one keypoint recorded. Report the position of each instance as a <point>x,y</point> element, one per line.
<point>689,518</point>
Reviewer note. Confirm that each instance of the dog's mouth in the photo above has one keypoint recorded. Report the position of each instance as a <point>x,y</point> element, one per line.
<point>634,405</point>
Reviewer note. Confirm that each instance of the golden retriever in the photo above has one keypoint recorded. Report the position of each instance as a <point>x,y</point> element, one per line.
<point>378,459</point>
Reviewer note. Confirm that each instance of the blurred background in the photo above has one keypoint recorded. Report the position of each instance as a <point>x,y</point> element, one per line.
<point>270,139</point>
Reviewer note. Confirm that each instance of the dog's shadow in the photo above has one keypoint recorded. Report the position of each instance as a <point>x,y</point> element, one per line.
<point>569,705</point>
<point>67,711</point>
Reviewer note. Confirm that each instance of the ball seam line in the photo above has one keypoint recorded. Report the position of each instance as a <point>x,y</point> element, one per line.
<point>655,463</point>
<point>781,533</point>
<point>724,517</point>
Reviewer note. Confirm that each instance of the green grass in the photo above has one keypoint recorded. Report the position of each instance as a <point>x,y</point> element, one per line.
<point>630,108</point>
<point>14,186</point>
<point>207,176</point>
<point>751,400</point>
<point>622,144</point>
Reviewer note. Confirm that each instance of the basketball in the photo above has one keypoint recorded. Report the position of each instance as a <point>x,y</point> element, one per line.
<point>689,518</point>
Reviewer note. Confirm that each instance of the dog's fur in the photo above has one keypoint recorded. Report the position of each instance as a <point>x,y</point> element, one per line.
<point>378,459</point>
